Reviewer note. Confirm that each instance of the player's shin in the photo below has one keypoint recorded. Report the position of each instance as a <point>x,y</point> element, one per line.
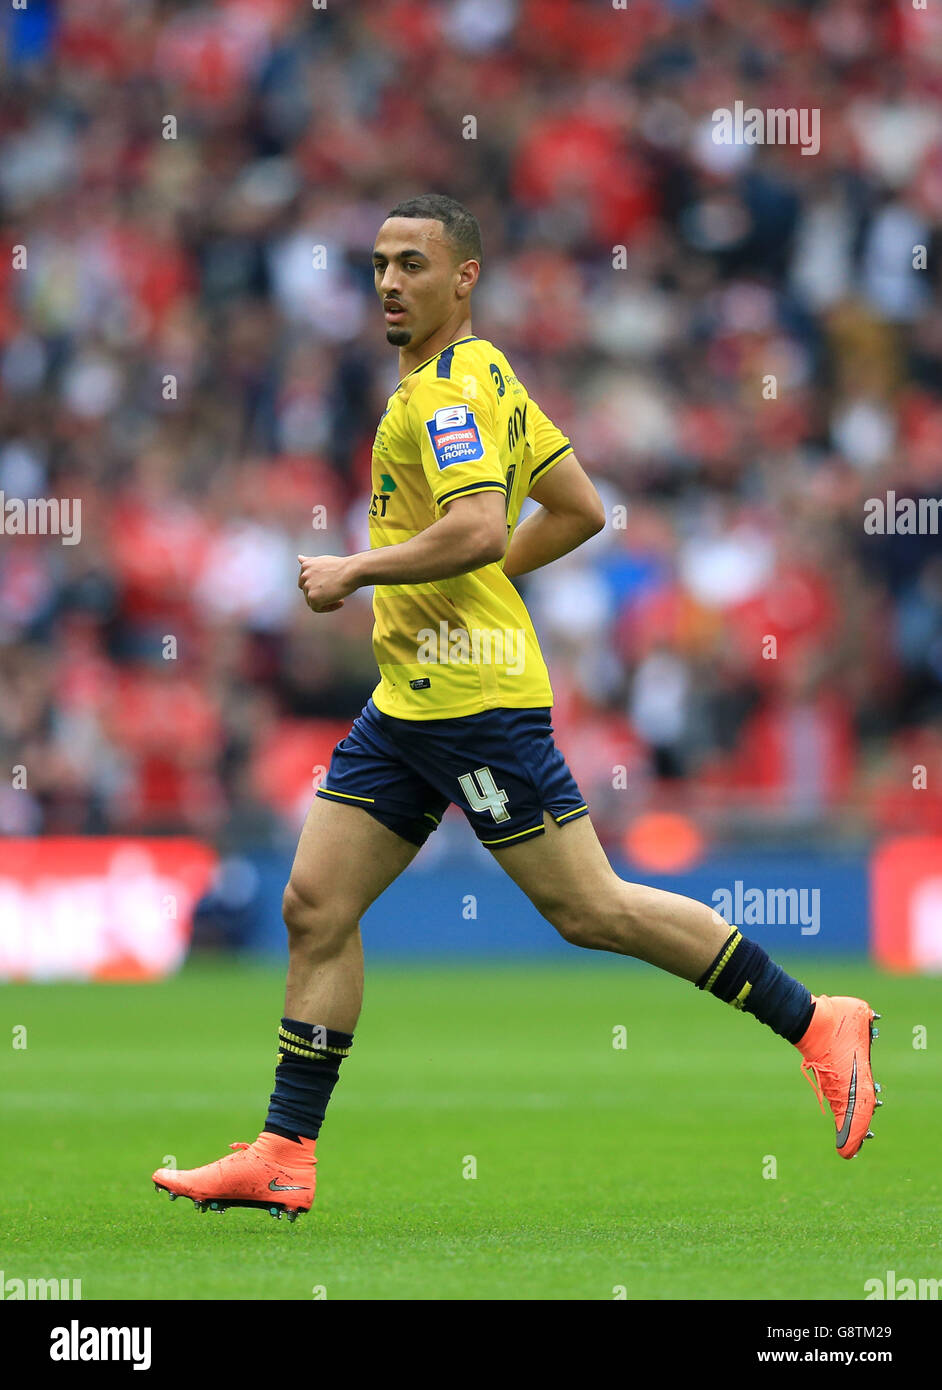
<point>742,974</point>
<point>309,1057</point>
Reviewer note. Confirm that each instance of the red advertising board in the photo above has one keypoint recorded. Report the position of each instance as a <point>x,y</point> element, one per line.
<point>98,909</point>
<point>906,903</point>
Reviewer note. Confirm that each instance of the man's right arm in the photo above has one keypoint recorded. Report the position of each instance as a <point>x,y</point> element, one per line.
<point>570,513</point>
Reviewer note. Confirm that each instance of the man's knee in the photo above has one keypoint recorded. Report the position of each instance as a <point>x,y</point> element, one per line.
<point>598,922</point>
<point>313,919</point>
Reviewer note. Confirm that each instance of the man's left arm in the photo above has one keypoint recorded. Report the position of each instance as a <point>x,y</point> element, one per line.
<point>570,513</point>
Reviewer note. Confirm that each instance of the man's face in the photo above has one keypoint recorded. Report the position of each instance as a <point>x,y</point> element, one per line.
<point>418,278</point>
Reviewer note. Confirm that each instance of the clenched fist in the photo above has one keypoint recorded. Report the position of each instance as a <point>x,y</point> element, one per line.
<point>326,580</point>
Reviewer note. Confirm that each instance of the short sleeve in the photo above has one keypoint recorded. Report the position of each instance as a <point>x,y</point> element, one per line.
<point>547,443</point>
<point>456,439</point>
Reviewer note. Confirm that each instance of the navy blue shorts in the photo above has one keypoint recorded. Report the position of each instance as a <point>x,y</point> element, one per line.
<point>501,768</point>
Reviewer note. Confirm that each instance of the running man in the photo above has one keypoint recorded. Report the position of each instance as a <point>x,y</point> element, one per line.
<point>462,714</point>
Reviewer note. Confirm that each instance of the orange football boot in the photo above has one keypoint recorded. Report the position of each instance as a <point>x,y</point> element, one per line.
<point>250,1178</point>
<point>836,1049</point>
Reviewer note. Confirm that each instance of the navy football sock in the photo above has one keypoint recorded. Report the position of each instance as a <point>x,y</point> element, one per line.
<point>309,1058</point>
<point>743,975</point>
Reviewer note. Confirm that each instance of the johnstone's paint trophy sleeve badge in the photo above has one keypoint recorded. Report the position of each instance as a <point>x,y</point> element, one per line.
<point>454,436</point>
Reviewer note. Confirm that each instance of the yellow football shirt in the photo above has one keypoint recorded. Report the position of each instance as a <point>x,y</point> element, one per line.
<point>460,423</point>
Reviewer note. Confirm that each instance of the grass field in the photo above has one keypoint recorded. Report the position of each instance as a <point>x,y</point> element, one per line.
<point>597,1167</point>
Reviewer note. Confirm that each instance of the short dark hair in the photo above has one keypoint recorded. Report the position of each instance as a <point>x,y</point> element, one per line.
<point>461,226</point>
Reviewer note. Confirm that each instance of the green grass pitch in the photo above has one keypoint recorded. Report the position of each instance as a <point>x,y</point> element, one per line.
<point>598,1168</point>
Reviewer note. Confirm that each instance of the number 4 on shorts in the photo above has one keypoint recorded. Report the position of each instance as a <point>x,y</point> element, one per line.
<point>484,794</point>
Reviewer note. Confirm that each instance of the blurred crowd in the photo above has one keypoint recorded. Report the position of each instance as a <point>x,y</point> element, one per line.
<point>744,343</point>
